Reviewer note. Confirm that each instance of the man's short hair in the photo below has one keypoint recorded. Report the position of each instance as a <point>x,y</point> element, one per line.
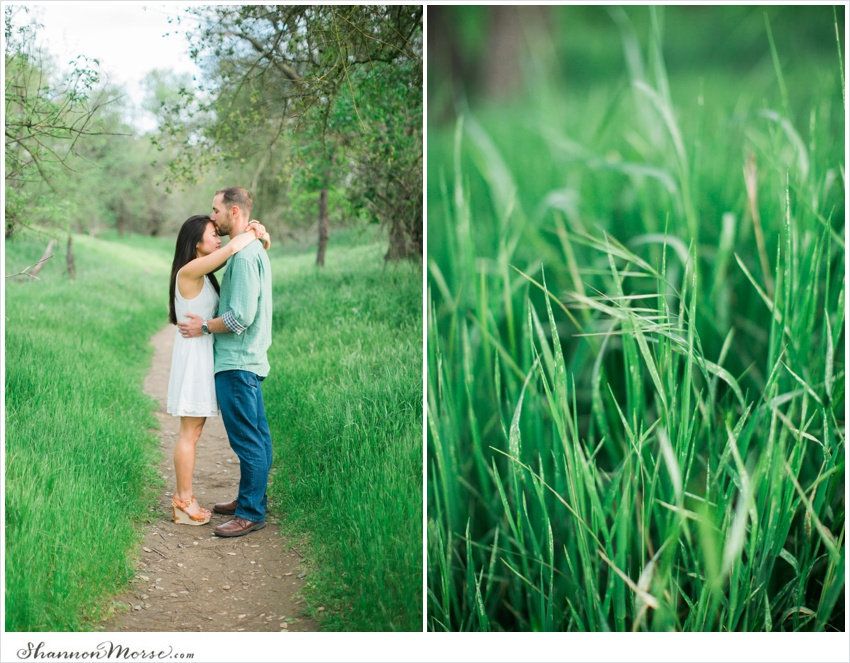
<point>236,195</point>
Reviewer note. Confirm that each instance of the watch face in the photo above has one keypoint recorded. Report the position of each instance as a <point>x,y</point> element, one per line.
<point>205,329</point>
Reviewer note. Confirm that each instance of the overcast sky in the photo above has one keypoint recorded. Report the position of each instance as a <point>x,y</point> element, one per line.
<point>129,38</point>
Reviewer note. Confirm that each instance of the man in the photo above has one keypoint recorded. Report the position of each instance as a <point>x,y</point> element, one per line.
<point>243,335</point>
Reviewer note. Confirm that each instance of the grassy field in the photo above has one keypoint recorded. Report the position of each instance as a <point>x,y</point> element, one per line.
<point>636,342</point>
<point>80,460</point>
<point>344,404</point>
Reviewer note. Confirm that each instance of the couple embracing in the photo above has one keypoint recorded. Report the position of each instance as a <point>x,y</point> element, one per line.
<point>219,359</point>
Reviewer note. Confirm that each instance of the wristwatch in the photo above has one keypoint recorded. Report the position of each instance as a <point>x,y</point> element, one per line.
<point>205,329</point>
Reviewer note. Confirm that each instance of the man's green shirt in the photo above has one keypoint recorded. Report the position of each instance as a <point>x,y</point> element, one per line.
<point>246,308</point>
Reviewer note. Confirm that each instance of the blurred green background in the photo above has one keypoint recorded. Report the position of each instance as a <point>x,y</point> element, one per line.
<point>491,53</point>
<point>554,124</point>
<point>566,71</point>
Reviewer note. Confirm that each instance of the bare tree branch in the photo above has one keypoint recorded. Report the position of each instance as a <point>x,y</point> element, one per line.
<point>36,268</point>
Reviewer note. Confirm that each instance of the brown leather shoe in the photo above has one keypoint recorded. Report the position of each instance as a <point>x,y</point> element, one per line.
<point>238,527</point>
<point>227,508</point>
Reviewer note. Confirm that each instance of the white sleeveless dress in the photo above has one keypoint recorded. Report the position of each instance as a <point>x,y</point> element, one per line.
<point>191,386</point>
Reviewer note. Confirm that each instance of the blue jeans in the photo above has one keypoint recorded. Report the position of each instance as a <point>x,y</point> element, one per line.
<point>240,398</point>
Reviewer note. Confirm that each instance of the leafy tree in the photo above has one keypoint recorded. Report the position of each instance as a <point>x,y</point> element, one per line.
<point>72,160</point>
<point>313,99</point>
<point>116,178</point>
<point>387,166</point>
<point>45,118</point>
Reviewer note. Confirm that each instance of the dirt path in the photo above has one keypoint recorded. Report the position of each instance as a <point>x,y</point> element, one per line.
<point>190,580</point>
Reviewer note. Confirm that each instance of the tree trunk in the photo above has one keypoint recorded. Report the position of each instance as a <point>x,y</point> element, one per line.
<point>398,249</point>
<point>264,161</point>
<point>323,227</point>
<point>48,253</point>
<point>72,270</point>
<point>417,241</point>
<point>406,241</point>
<point>510,29</point>
<point>121,221</point>
<point>446,57</point>
<point>157,221</point>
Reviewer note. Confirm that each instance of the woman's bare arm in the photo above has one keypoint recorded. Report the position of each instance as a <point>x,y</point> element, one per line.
<point>198,267</point>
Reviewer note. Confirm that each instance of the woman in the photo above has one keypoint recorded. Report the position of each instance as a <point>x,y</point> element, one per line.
<point>191,386</point>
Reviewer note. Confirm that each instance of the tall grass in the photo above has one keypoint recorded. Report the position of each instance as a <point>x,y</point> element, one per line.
<point>344,400</point>
<point>80,462</point>
<point>635,358</point>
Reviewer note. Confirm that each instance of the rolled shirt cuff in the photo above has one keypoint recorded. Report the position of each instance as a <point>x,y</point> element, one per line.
<point>232,323</point>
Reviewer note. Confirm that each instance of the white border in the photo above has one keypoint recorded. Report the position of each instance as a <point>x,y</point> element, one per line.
<point>467,647</point>
<point>494,648</point>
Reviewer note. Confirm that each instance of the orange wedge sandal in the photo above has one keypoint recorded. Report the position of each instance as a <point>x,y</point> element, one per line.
<point>182,517</point>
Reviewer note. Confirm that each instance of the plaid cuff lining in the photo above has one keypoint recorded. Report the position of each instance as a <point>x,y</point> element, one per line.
<point>232,324</point>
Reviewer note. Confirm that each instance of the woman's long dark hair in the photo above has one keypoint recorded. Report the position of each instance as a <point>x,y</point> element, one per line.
<point>190,235</point>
